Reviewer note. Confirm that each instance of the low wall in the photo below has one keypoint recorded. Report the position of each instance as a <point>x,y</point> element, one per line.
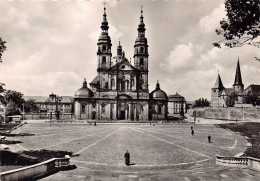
<point>231,113</point>
<point>241,162</point>
<point>35,171</point>
<point>47,116</point>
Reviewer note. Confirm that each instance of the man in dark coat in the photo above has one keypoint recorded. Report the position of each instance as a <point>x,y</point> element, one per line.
<point>209,139</point>
<point>127,158</point>
<point>192,132</point>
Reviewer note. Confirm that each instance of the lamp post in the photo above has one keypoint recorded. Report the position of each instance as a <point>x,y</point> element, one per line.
<point>56,99</point>
<point>23,111</point>
<point>194,114</point>
<point>72,106</point>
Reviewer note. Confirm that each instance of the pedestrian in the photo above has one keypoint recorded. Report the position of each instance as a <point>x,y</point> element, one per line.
<point>191,127</point>
<point>127,158</point>
<point>209,139</point>
<point>198,120</point>
<point>192,132</point>
<point>95,123</point>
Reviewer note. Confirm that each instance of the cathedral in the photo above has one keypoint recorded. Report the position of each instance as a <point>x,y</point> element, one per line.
<point>120,89</point>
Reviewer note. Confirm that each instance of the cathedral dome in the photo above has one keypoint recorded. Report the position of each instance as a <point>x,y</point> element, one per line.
<point>84,92</point>
<point>158,93</point>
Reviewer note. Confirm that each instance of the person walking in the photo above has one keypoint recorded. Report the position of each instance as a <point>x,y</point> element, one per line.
<point>127,158</point>
<point>209,139</point>
<point>95,124</point>
<point>192,132</point>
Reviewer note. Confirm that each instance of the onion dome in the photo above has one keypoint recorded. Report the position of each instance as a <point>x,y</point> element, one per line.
<point>84,92</point>
<point>158,93</point>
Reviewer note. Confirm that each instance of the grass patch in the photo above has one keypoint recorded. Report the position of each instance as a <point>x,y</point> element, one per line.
<point>250,130</point>
<point>9,142</point>
<point>43,155</point>
<point>7,127</point>
<point>20,134</point>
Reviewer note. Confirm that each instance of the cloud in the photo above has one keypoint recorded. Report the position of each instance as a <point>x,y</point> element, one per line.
<point>209,23</point>
<point>181,58</point>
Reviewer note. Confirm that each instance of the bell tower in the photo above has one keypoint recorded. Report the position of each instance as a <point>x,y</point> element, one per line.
<point>141,54</point>
<point>104,45</point>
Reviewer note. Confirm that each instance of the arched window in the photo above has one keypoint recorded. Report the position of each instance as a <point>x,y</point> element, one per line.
<point>104,47</point>
<point>103,60</point>
<point>103,108</point>
<point>159,109</point>
<point>83,109</point>
<point>127,84</point>
<point>141,109</point>
<point>113,82</point>
<point>141,61</point>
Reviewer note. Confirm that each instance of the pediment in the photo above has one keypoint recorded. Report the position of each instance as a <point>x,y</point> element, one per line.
<point>124,65</point>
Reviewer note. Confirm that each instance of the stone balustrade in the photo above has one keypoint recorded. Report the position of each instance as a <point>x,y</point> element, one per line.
<point>242,162</point>
<point>35,171</point>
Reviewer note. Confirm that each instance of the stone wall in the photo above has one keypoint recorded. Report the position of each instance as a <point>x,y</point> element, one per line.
<point>35,171</point>
<point>240,114</point>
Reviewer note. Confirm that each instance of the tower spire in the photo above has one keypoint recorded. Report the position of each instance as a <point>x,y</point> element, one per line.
<point>141,27</point>
<point>238,77</point>
<point>104,24</point>
<point>218,84</point>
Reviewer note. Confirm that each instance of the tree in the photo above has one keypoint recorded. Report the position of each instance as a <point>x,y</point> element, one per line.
<point>2,48</point>
<point>30,106</point>
<point>2,90</point>
<point>252,99</point>
<point>12,109</point>
<point>15,97</point>
<point>230,100</point>
<point>242,26</point>
<point>13,101</point>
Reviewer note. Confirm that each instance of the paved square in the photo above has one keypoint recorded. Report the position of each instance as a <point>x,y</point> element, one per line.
<point>160,152</point>
<point>159,146</point>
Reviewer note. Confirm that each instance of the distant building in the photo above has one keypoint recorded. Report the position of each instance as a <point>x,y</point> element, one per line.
<point>221,95</point>
<point>48,105</point>
<point>175,104</point>
<point>252,90</point>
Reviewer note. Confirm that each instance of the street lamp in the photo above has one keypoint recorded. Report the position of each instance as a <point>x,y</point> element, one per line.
<point>23,111</point>
<point>194,114</point>
<point>72,106</point>
<point>56,99</point>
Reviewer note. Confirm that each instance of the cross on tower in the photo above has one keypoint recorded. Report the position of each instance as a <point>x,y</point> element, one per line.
<point>141,8</point>
<point>104,5</point>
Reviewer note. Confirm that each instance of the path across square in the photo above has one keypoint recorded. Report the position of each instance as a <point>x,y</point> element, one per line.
<point>152,148</point>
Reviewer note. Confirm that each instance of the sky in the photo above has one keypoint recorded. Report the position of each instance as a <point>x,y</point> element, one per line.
<point>52,45</point>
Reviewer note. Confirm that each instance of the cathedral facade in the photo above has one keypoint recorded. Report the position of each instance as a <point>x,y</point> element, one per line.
<point>120,89</point>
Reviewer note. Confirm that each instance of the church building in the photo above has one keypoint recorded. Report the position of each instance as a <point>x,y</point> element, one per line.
<point>235,96</point>
<point>120,89</point>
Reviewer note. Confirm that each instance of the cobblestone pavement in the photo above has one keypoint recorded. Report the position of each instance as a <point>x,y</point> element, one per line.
<point>197,172</point>
<point>160,152</point>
